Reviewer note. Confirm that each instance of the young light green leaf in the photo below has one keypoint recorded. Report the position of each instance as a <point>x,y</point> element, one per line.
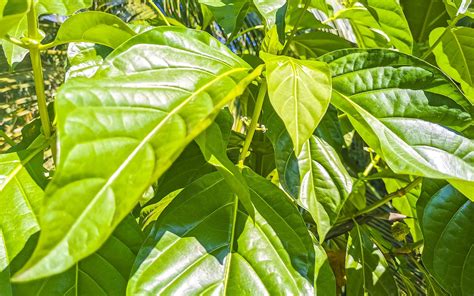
<point>366,268</point>
<point>11,13</point>
<point>457,7</point>
<point>299,92</point>
<point>271,255</point>
<point>414,120</point>
<point>14,53</point>
<point>325,183</point>
<point>455,55</point>
<point>448,231</point>
<point>214,150</point>
<point>105,272</point>
<point>269,9</point>
<point>20,200</point>
<point>96,27</point>
<point>119,130</point>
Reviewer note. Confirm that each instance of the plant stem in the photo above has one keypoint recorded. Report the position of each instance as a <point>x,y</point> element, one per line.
<point>254,121</point>
<point>15,41</point>
<point>399,193</point>
<point>371,165</point>
<point>33,34</point>
<point>7,138</point>
<point>295,28</point>
<point>160,13</point>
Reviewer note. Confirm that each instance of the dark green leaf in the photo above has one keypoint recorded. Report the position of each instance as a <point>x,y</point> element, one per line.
<point>150,98</point>
<point>228,14</point>
<point>448,230</point>
<point>317,43</point>
<point>271,255</point>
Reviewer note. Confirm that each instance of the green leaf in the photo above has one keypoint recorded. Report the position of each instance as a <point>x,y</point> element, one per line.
<point>11,13</point>
<point>389,15</point>
<point>414,120</point>
<point>366,268</point>
<point>61,7</point>
<point>299,92</point>
<point>325,183</point>
<point>269,9</point>
<point>13,53</point>
<point>324,280</point>
<point>105,272</point>
<point>5,285</point>
<point>84,59</point>
<point>271,255</point>
<point>228,14</point>
<point>214,150</point>
<point>317,43</point>
<point>119,131</point>
<point>424,16</point>
<point>448,228</point>
<point>21,199</point>
<point>455,55</point>
<point>457,7</point>
<point>96,27</point>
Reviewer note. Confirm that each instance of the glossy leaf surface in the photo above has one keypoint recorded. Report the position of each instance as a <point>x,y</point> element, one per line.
<point>61,7</point>
<point>299,92</point>
<point>151,97</point>
<point>448,230</point>
<point>272,255</point>
<point>11,12</point>
<point>414,120</point>
<point>269,9</point>
<point>455,55</point>
<point>317,43</point>
<point>228,14</point>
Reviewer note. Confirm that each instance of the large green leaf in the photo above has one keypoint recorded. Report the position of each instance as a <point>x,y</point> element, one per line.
<point>448,231</point>
<point>61,7</point>
<point>455,55</point>
<point>205,243</point>
<point>20,200</point>
<point>299,91</point>
<point>325,183</point>
<point>96,27</point>
<point>11,13</point>
<point>423,16</point>
<point>119,130</point>
<point>414,120</point>
<point>324,281</point>
<point>105,272</point>
<point>366,268</point>
<point>269,9</point>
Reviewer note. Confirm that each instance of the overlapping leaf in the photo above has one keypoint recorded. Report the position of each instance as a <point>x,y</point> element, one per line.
<point>317,43</point>
<point>119,130</point>
<point>448,231</point>
<point>455,55</point>
<point>204,242</point>
<point>408,111</point>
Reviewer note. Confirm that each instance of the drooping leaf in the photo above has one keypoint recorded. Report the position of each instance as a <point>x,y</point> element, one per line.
<point>324,280</point>
<point>20,200</point>
<point>448,231</point>
<point>325,183</point>
<point>96,27</point>
<point>214,150</point>
<point>299,92</point>
<point>317,43</point>
<point>424,16</point>
<point>366,268</point>
<point>414,120</point>
<point>271,255</point>
<point>151,97</point>
<point>455,55</point>
<point>105,272</point>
